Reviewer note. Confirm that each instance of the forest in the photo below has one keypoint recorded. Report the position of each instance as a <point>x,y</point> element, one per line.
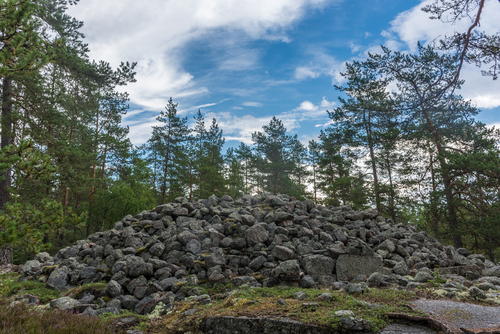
<point>402,140</point>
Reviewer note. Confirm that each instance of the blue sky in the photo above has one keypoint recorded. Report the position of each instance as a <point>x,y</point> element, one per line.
<point>245,61</point>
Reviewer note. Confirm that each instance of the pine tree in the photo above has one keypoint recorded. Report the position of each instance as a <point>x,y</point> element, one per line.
<point>171,138</point>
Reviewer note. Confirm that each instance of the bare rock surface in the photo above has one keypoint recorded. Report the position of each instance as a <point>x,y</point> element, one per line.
<point>459,316</point>
<point>396,328</point>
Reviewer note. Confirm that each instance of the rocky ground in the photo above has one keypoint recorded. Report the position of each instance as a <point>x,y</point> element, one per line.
<point>176,253</point>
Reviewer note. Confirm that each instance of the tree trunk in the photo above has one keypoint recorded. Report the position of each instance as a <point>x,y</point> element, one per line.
<point>6,137</point>
<point>5,256</point>
<point>374,165</point>
<point>448,191</point>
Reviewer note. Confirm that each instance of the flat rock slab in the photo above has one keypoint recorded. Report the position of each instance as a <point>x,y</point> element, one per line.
<point>396,328</point>
<point>458,316</point>
<point>350,266</point>
<point>244,325</point>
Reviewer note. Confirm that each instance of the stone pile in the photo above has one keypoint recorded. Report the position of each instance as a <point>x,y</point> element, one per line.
<point>163,254</point>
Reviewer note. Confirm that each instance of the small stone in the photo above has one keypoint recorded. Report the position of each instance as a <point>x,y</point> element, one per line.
<point>355,288</point>
<point>300,295</point>
<point>423,276</point>
<point>63,303</point>
<point>281,302</point>
<point>344,313</point>
<point>325,297</point>
<point>476,293</point>
<point>114,289</point>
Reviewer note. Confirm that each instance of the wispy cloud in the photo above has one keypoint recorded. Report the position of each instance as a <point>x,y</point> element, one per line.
<point>252,104</point>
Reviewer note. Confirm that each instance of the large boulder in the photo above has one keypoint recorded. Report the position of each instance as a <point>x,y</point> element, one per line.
<point>31,267</point>
<point>58,279</point>
<point>63,303</point>
<point>256,234</point>
<point>283,253</point>
<point>350,266</point>
<point>317,265</point>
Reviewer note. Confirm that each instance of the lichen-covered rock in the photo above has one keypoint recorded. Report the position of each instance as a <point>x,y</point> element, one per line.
<point>317,265</point>
<point>350,266</point>
<point>63,303</point>
<point>256,234</point>
<point>58,279</point>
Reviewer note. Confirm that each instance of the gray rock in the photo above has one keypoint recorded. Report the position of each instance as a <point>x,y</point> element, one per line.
<point>256,234</point>
<point>423,276</point>
<point>194,246</point>
<point>31,267</point>
<point>137,267</point>
<point>63,303</point>
<point>290,267</point>
<point>476,293</point>
<point>493,271</point>
<point>58,279</point>
<point>43,257</point>
<point>257,263</point>
<point>218,258</point>
<point>344,313</point>
<point>157,249</point>
<point>283,253</point>
<point>113,289</point>
<point>353,324</point>
<point>355,288</point>
<point>317,265</point>
<point>401,268</point>
<point>128,302</point>
<point>350,266</point>
<point>248,220</point>
<point>300,295</point>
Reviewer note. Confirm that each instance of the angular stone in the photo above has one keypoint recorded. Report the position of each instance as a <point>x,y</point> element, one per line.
<point>194,246</point>
<point>350,266</point>
<point>218,258</point>
<point>185,237</point>
<point>317,265</point>
<point>58,279</point>
<point>290,267</point>
<point>401,268</point>
<point>157,249</point>
<point>114,289</point>
<point>494,271</point>
<point>63,303</point>
<point>248,220</point>
<point>257,263</point>
<point>256,234</point>
<point>283,253</point>
<point>31,267</point>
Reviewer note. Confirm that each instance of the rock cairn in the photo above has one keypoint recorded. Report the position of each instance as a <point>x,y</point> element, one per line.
<point>163,254</point>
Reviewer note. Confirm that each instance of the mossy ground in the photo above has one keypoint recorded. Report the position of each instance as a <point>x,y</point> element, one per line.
<point>262,302</point>
<point>249,302</point>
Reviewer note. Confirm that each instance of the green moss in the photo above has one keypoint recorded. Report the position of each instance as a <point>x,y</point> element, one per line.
<point>140,250</point>
<point>11,287</point>
<point>49,269</point>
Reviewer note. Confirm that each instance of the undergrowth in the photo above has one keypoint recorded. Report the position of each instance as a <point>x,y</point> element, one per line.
<point>22,319</point>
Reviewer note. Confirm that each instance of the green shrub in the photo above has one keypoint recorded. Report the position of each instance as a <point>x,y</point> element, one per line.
<point>21,319</point>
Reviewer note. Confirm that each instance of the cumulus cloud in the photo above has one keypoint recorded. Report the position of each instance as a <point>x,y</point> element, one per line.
<point>327,104</point>
<point>156,33</point>
<point>303,73</point>
<point>307,106</point>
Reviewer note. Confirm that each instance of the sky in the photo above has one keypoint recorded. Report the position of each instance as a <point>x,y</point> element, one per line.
<point>245,61</point>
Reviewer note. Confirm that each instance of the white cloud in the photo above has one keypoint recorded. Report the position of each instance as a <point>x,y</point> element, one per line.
<point>156,35</point>
<point>307,106</point>
<point>327,104</point>
<point>252,104</point>
<point>354,47</point>
<point>303,73</point>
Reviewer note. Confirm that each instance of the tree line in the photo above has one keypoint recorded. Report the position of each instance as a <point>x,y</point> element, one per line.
<point>402,140</point>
